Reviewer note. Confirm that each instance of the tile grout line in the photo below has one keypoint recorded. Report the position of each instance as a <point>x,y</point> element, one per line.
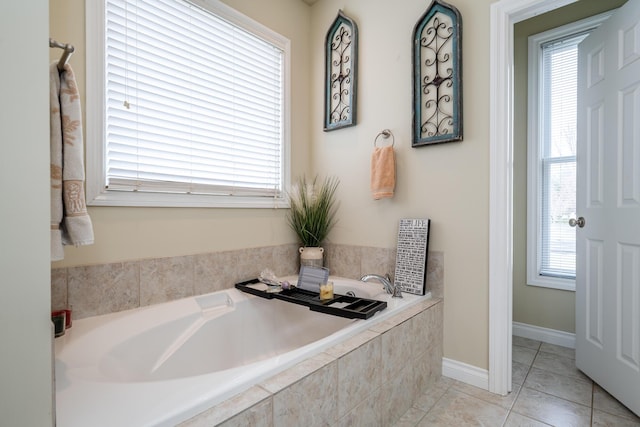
<point>438,400</point>
<point>522,386</point>
<point>557,355</point>
<point>514,401</point>
<point>432,406</point>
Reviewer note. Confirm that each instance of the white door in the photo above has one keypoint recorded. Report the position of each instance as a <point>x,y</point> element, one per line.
<point>608,246</point>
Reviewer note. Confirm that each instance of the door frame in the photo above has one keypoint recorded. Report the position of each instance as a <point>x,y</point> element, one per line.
<point>504,14</point>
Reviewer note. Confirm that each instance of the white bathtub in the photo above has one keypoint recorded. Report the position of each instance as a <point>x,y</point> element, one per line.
<point>162,364</point>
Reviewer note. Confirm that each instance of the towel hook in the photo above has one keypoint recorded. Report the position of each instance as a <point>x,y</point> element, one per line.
<point>385,133</point>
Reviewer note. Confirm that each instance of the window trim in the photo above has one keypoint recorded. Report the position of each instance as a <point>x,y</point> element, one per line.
<point>534,118</point>
<point>97,193</point>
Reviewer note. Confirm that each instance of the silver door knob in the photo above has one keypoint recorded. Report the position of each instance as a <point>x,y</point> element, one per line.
<point>579,222</point>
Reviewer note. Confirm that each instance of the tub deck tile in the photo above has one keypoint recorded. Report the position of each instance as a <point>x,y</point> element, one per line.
<point>405,315</point>
<point>351,344</point>
<point>232,407</point>
<point>260,415</point>
<point>297,372</point>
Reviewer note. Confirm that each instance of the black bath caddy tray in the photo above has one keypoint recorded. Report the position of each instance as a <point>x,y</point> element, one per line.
<point>339,305</point>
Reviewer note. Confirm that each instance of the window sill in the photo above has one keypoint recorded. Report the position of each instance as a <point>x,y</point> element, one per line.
<point>553,283</point>
<point>165,200</point>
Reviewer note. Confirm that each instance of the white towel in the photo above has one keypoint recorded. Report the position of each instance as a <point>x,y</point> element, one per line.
<point>70,222</point>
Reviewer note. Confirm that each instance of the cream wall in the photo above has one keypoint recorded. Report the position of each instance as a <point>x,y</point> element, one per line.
<point>137,233</point>
<point>548,308</point>
<point>25,322</point>
<point>448,183</point>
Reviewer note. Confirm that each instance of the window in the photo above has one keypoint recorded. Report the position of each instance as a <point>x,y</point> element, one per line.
<point>187,104</point>
<point>551,192</point>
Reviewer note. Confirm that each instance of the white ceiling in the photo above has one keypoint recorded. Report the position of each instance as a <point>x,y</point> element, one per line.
<point>309,2</point>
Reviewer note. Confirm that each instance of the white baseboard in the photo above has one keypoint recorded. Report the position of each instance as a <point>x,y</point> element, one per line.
<point>480,377</point>
<point>550,336</point>
<point>466,373</point>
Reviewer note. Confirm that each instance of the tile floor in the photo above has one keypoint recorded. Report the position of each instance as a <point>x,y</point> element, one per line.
<point>547,391</point>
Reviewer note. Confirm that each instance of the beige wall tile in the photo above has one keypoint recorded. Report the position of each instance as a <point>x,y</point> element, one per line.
<point>59,289</point>
<point>103,289</point>
<point>435,274</point>
<point>397,394</point>
<point>166,279</point>
<point>377,261</point>
<point>252,261</point>
<point>343,260</point>
<point>365,414</point>
<point>286,260</point>
<point>359,374</point>
<point>432,321</point>
<point>396,350</point>
<point>315,397</point>
<point>215,271</point>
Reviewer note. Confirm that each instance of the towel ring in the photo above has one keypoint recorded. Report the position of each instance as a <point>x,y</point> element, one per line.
<point>386,133</point>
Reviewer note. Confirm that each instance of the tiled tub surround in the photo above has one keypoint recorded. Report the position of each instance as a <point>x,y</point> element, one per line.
<point>177,359</point>
<point>371,379</point>
<point>108,288</point>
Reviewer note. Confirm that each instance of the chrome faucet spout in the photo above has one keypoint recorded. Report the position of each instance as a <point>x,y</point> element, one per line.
<point>386,283</point>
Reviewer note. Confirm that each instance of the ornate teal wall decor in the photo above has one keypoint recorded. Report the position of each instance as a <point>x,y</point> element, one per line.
<point>341,50</point>
<point>437,76</point>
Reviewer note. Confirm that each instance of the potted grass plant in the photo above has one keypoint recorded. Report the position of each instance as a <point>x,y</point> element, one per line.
<point>312,215</point>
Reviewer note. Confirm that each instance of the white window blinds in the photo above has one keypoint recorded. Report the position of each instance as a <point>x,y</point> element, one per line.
<point>194,104</point>
<point>557,185</point>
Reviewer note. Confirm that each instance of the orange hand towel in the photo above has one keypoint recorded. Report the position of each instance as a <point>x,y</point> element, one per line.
<point>383,172</point>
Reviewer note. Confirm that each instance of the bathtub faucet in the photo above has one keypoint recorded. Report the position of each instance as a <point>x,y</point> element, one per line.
<point>386,282</point>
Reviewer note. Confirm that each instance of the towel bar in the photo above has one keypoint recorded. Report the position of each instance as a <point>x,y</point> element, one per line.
<point>385,133</point>
<point>68,51</point>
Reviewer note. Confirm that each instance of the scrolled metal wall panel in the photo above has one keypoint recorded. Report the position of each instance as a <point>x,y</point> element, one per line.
<point>437,76</point>
<point>341,58</point>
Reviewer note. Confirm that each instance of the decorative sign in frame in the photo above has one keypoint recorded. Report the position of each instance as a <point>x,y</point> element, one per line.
<point>341,71</point>
<point>411,256</point>
<point>437,76</point>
